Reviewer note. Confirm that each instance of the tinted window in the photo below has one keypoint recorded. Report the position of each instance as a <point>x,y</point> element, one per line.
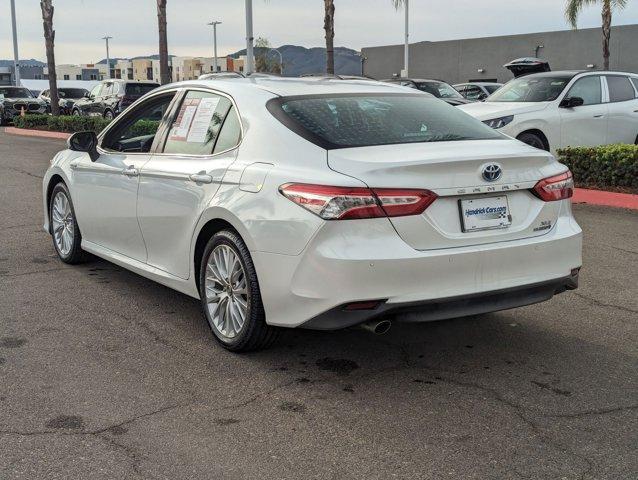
<point>70,92</point>
<point>140,89</point>
<point>230,133</point>
<point>341,121</point>
<point>491,88</point>
<point>620,89</point>
<point>438,89</point>
<point>136,130</point>
<point>531,89</point>
<point>16,92</point>
<point>587,88</point>
<point>473,93</point>
<point>196,126</point>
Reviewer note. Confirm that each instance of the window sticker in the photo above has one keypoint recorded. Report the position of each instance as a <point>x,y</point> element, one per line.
<point>182,123</point>
<point>201,123</point>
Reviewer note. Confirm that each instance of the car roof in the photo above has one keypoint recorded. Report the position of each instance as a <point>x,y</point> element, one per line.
<point>284,87</point>
<point>477,83</point>
<point>416,79</point>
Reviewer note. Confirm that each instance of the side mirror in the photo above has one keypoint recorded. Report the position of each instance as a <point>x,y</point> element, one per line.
<point>571,102</point>
<point>84,142</point>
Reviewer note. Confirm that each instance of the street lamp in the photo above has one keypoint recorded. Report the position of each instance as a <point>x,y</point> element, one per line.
<point>214,23</point>
<point>249,37</point>
<point>281,61</point>
<point>406,48</point>
<point>16,60</point>
<point>108,58</point>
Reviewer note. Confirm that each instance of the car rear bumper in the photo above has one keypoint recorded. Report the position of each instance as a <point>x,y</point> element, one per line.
<point>365,260</point>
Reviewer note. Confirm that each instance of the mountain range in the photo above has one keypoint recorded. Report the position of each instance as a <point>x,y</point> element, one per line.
<point>297,60</point>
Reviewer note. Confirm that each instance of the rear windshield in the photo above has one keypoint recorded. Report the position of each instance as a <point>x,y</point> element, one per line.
<point>351,120</point>
<point>140,89</point>
<point>438,89</point>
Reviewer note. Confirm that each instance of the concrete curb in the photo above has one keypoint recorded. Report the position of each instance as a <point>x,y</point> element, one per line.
<point>606,199</point>
<point>36,133</point>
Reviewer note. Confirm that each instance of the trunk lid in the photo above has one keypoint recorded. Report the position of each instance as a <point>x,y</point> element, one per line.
<point>453,170</point>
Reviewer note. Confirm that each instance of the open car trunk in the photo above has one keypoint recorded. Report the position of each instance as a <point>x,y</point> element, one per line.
<point>454,171</point>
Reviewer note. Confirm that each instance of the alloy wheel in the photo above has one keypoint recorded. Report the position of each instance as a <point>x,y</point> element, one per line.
<point>62,223</point>
<point>226,291</point>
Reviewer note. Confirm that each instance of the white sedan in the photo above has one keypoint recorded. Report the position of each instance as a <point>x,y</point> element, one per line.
<point>554,110</point>
<point>315,203</point>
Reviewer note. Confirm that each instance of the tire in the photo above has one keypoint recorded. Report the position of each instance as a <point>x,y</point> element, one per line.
<point>234,293</point>
<point>108,115</point>
<point>76,112</point>
<point>62,217</point>
<point>533,140</point>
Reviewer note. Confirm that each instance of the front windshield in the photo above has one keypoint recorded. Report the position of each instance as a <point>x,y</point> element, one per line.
<point>15,92</point>
<point>438,89</point>
<point>71,92</point>
<point>530,89</point>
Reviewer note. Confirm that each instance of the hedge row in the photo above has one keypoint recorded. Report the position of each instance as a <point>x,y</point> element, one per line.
<point>609,167</point>
<point>68,124</point>
<point>73,124</point>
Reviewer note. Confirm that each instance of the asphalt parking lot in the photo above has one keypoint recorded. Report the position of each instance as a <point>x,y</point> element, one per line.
<point>104,374</point>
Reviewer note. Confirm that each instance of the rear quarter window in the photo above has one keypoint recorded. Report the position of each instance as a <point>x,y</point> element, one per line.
<point>357,120</point>
<point>620,89</point>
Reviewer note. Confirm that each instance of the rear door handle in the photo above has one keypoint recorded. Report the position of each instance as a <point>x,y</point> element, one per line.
<point>200,178</point>
<point>131,172</point>
<point>601,115</point>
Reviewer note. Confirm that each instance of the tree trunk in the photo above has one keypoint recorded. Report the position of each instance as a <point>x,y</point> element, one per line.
<point>606,32</point>
<point>49,40</point>
<point>329,27</point>
<point>165,76</point>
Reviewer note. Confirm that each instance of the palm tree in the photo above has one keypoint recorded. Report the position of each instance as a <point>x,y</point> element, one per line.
<point>329,27</point>
<point>574,7</point>
<point>165,76</point>
<point>49,41</point>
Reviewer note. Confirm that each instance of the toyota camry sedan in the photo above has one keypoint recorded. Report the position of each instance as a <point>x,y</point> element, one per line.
<point>317,204</point>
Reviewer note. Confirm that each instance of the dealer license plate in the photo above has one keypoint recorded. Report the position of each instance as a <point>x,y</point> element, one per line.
<point>485,213</point>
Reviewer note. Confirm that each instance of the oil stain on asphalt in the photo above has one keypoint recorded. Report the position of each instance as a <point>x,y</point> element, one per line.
<point>70,422</point>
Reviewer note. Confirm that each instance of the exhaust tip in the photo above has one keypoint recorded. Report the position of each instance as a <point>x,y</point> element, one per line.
<point>378,327</point>
<point>382,327</point>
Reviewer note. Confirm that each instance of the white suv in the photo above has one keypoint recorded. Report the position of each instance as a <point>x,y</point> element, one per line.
<point>553,110</point>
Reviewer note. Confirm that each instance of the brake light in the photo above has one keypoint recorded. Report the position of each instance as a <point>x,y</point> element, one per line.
<point>347,203</point>
<point>558,187</point>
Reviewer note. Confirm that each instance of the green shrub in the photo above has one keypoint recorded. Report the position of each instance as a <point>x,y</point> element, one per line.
<point>62,123</point>
<point>609,167</point>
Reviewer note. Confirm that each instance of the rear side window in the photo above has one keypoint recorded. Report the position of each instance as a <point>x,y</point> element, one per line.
<point>230,134</point>
<point>620,89</point>
<point>351,120</point>
<point>196,127</point>
<point>139,89</point>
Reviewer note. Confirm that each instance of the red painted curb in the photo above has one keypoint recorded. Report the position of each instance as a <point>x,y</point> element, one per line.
<point>36,133</point>
<point>607,199</point>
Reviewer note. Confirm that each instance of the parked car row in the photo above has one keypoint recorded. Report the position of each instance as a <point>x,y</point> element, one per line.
<point>17,100</point>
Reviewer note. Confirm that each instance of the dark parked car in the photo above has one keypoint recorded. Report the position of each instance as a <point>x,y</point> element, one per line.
<point>68,97</point>
<point>477,91</point>
<point>111,97</point>
<point>15,100</point>
<point>438,88</point>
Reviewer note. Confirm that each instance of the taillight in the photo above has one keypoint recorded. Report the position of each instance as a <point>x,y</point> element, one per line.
<point>558,187</point>
<point>346,203</point>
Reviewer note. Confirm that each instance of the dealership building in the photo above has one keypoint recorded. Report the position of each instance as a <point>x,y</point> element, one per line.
<point>482,59</point>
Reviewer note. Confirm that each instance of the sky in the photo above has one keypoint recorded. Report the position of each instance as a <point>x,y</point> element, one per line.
<point>80,24</point>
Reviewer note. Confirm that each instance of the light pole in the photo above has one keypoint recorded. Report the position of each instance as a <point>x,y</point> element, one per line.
<point>108,58</point>
<point>16,60</point>
<point>249,37</point>
<point>406,49</point>
<point>214,23</point>
<point>281,61</point>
